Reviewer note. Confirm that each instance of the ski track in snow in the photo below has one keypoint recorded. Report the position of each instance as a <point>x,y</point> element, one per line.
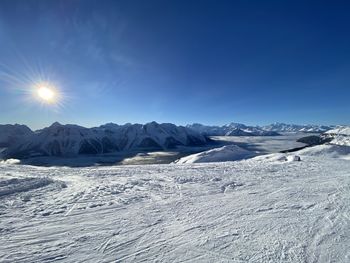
<point>247,211</point>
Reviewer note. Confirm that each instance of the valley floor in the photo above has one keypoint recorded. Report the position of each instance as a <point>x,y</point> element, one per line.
<point>247,211</point>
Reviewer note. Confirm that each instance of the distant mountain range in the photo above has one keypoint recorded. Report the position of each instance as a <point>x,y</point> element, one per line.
<point>282,127</point>
<point>238,129</point>
<point>73,140</point>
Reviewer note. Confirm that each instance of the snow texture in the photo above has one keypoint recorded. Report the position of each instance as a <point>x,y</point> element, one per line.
<point>222,154</point>
<point>245,211</point>
<point>339,135</point>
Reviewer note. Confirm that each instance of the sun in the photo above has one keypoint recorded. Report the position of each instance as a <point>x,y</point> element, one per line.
<point>46,94</point>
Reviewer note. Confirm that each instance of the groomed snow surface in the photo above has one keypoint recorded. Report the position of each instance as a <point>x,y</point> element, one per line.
<point>266,209</point>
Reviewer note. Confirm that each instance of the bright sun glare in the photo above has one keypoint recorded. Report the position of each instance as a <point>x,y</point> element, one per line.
<point>46,94</point>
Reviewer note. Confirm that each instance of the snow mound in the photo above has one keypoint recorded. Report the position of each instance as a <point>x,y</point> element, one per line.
<point>327,151</point>
<point>16,185</point>
<point>277,157</point>
<point>222,154</point>
<point>341,140</point>
<point>10,161</point>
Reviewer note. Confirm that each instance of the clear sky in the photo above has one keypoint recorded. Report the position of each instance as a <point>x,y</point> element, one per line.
<point>177,61</point>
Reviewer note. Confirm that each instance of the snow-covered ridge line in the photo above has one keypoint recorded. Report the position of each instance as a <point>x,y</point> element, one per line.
<point>340,135</point>
<point>9,134</point>
<point>340,130</point>
<point>72,140</point>
<point>238,129</point>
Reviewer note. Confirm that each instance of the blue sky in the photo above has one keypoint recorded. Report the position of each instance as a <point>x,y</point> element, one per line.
<point>212,62</point>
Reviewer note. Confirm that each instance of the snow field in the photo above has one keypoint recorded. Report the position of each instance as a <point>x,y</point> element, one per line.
<point>245,211</point>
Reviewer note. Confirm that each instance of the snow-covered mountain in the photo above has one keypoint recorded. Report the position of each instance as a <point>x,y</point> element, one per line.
<point>238,129</point>
<point>309,128</point>
<point>10,134</point>
<point>334,143</point>
<point>232,129</point>
<point>71,140</point>
<point>340,135</point>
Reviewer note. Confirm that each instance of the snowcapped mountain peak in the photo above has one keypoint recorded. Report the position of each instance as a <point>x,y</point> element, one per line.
<point>71,140</point>
<point>56,124</point>
<point>231,129</point>
<point>308,128</point>
<point>13,133</point>
<point>236,125</point>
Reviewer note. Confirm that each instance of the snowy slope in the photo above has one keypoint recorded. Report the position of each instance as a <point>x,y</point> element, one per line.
<point>277,158</point>
<point>339,135</point>
<point>341,130</point>
<point>246,211</point>
<point>72,140</point>
<point>11,134</point>
<point>222,154</point>
<point>327,151</point>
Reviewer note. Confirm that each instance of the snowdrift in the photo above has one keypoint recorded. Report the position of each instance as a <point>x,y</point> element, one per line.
<point>277,158</point>
<point>222,154</point>
<point>327,151</point>
<point>17,185</point>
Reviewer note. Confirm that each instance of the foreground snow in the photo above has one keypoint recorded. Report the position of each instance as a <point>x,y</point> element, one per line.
<point>247,211</point>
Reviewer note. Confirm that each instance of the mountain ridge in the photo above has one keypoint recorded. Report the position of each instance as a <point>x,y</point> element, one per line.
<point>274,129</point>
<point>72,140</point>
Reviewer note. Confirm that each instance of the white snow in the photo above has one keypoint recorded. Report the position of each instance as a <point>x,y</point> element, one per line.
<point>308,128</point>
<point>341,130</point>
<point>252,210</point>
<point>15,185</point>
<point>340,135</point>
<point>222,154</point>
<point>10,161</point>
<point>327,151</point>
<point>277,158</point>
